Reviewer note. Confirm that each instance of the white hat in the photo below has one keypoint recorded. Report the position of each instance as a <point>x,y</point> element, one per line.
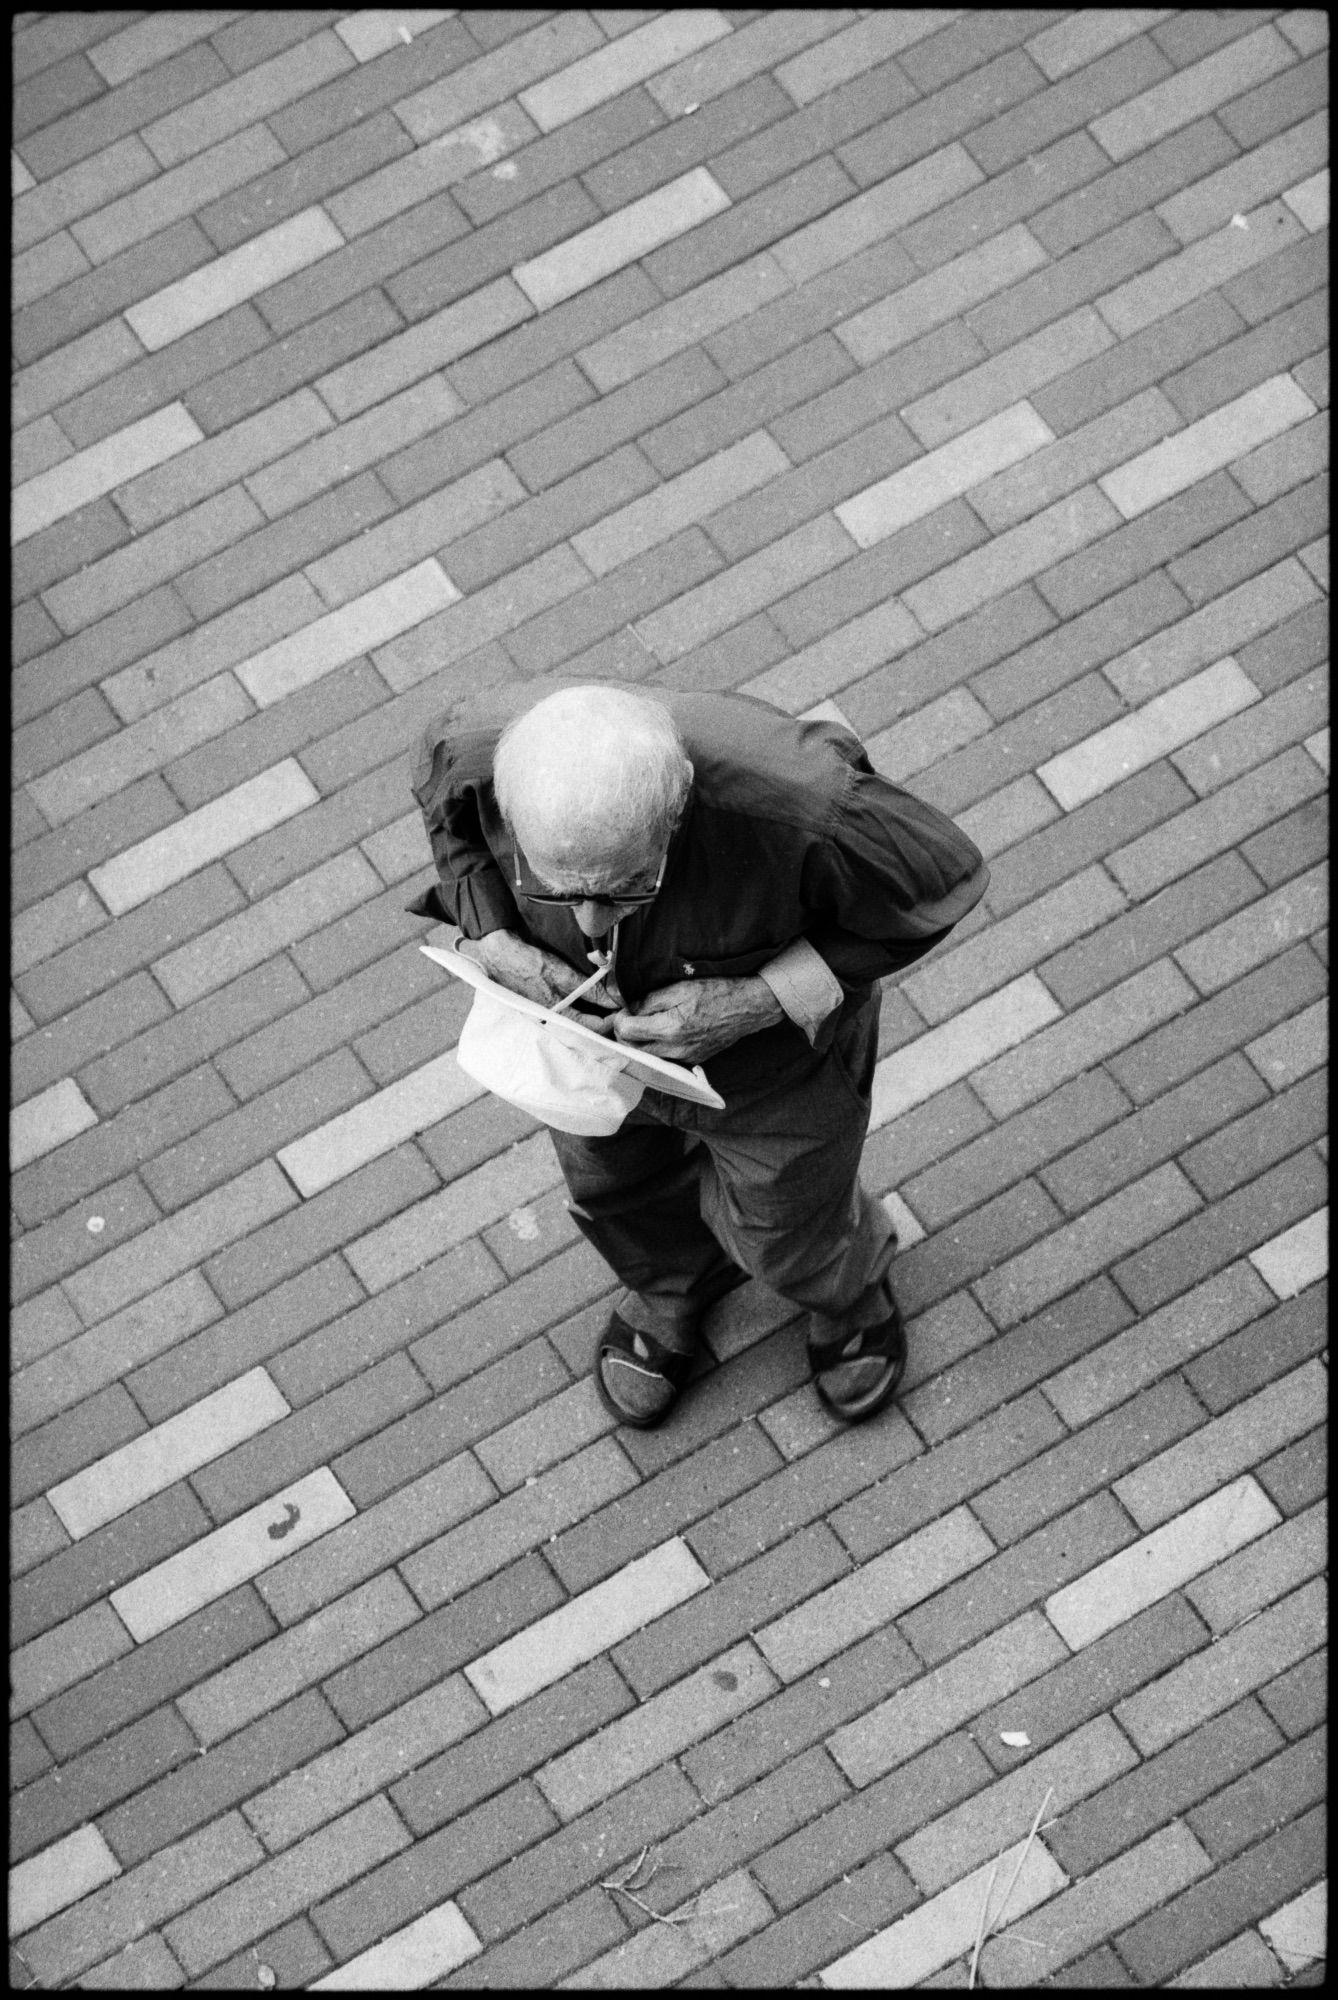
<point>565,1079</point>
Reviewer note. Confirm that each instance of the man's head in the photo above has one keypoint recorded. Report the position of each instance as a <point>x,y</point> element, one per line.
<point>592,782</point>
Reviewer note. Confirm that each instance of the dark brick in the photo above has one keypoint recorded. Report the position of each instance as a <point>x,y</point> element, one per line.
<point>494,1757</point>
<point>28,1755</point>
<point>368,87</point>
<point>53,553</point>
<point>971,646</point>
<point>1094,1457</point>
<point>293,1953</point>
<point>1252,545</point>
<point>1150,177</point>
<point>1022,1144</point>
<point>940,1480</point>
<point>276,551</point>
<point>785,146</point>
<point>1265,1798</point>
<point>1263,290</point>
<point>1085,1837</point>
<point>1158,536</point>
<point>558,1868</point>
<point>832,1923</point>
<point>580,147</point>
<point>146,97</point>
<point>468,1341</point>
<point>748,226</point>
<point>1137,362</point>
<point>432,282</point>
<point>417,1880</point>
<point>1230,1228</point>
<point>74,1439</point>
<point>1297,1477</point>
<point>675,148</point>
<point>1230,1019</point>
<point>1258,1140</point>
<point>1093,1680</point>
<point>54,92</point>
<point>999,1589</point>
<point>1291,649</point>
<point>161,1813</point>
<point>108,288</point>
<point>1220,1905</point>
<point>1068,651</point>
<point>537,344</point>
<point>964,45</point>
<point>154,1672</point>
<point>104,1560</point>
<point>993,760</point>
<point>647,400</point>
<point>943,1124</point>
<point>728,1836</point>
<point>911,134</point>
<point>882,389</point>
<point>1159,1131</point>
<point>544,1951</point>
<point>1284,100</point>
<point>877,574</point>
<point>799,1715</point>
<point>1188,38</point>
<point>85,1787</point>
<point>1150,930</point>
<point>1261,1352</point>
<point>256,38</point>
<point>662,1506</point>
<point>97,652</point>
<point>976,1243</point>
<point>1129,69</point>
<point>1280,342</point>
<point>750,1597</point>
<point>299,183</point>
<point>284,365</point>
<point>1298,1699</point>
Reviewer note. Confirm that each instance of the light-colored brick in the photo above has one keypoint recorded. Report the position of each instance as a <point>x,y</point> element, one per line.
<point>875,214</point>
<point>874,1594</point>
<point>273,1673</point>
<point>843,656</point>
<point>35,449</point>
<point>1005,950</point>
<point>1257,734</point>
<point>118,225</point>
<point>941,475</point>
<point>245,99</point>
<point>308,904</point>
<point>1298,455</point>
<point>618,239</point>
<point>66,1375</point>
<point>1297,1258</point>
<point>1199,268</point>
<point>945,1927</point>
<point>417,1955</point>
<point>90,184</point>
<point>47,1121</point>
<point>1222,626</point>
<point>1109,1022</point>
<point>365,1762</point>
<point>1268,1569</point>
<point>486,614</point>
<point>1241,1661</point>
<point>151,41</point>
<point>483,85</point>
<point>745,587</point>
<point>373,619</point>
<point>378,1124</point>
<point>587,1625</point>
<point>656,1731</point>
<point>1073,460</point>
<point>1018,370</point>
<point>234,277</point>
<point>117,761</point>
<point>1152,1567</point>
<point>1008,816</point>
<point>373,30</point>
<point>469,1204</point>
<point>1293,1049</point>
<point>417,176</point>
<point>1257,933</point>
<point>989,1820</point>
<point>191,843</point>
<point>1309,200</point>
<point>942,295</point>
<point>20,180</point>
<point>1225,434</point>
<point>1242,1437</point>
<point>1161,725</point>
<point>232,1555</point>
<point>1192,93</point>
<point>379,556</point>
<point>170,1451</point>
<point>756,46</point>
<point>606,72</point>
<point>940,1701</point>
<point>1298,1932</point>
<point>58,1876</point>
<point>161,1254</point>
<point>1150,1348</point>
<point>1084,1916</point>
<point>1011,558</point>
<point>683,321</point>
<point>221,461</point>
<point>860,47</point>
<point>947,1053</point>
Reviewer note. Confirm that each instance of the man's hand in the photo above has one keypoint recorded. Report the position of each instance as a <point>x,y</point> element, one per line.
<point>525,968</point>
<point>696,1018</point>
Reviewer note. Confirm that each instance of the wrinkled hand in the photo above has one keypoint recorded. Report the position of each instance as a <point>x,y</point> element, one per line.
<point>696,1018</point>
<point>524,968</point>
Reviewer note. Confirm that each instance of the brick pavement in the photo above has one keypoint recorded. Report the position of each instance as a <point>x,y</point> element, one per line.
<point>963,374</point>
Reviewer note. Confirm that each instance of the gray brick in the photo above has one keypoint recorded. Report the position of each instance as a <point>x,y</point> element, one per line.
<point>86,1786</point>
<point>240,391</point>
<point>83,132</point>
<point>1244,1219</point>
<point>1213,1027</point>
<point>974,99</point>
<point>432,282</point>
<point>720,124</point>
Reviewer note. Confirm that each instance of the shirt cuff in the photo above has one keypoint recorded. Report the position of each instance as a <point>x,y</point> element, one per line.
<point>805,985</point>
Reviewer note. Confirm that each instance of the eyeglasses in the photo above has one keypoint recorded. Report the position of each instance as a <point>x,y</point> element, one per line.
<point>628,899</point>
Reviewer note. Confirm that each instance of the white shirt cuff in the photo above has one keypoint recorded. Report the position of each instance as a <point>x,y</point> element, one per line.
<point>805,985</point>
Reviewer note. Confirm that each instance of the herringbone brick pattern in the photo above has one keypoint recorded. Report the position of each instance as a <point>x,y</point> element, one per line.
<point>963,375</point>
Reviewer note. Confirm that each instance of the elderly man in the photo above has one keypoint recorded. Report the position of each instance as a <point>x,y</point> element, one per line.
<point>753,878</point>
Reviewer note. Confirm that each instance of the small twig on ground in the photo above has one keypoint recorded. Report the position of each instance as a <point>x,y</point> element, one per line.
<point>622,1886</point>
<point>997,1918</point>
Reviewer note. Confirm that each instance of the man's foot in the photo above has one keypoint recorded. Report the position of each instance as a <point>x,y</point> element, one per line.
<point>637,1377</point>
<point>858,1376</point>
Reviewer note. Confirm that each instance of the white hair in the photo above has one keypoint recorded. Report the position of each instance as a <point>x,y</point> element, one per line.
<point>592,781</point>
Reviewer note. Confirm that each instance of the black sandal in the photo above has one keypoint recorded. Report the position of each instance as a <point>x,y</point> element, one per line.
<point>646,1361</point>
<point>865,1391</point>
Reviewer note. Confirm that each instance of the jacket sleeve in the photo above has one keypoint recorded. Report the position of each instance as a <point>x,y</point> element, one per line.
<point>470,889</point>
<point>888,881</point>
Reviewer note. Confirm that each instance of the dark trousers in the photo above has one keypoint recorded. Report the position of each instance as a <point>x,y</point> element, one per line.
<point>682,1198</point>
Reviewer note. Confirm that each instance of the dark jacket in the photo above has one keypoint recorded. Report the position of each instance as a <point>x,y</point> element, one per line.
<point>789,832</point>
